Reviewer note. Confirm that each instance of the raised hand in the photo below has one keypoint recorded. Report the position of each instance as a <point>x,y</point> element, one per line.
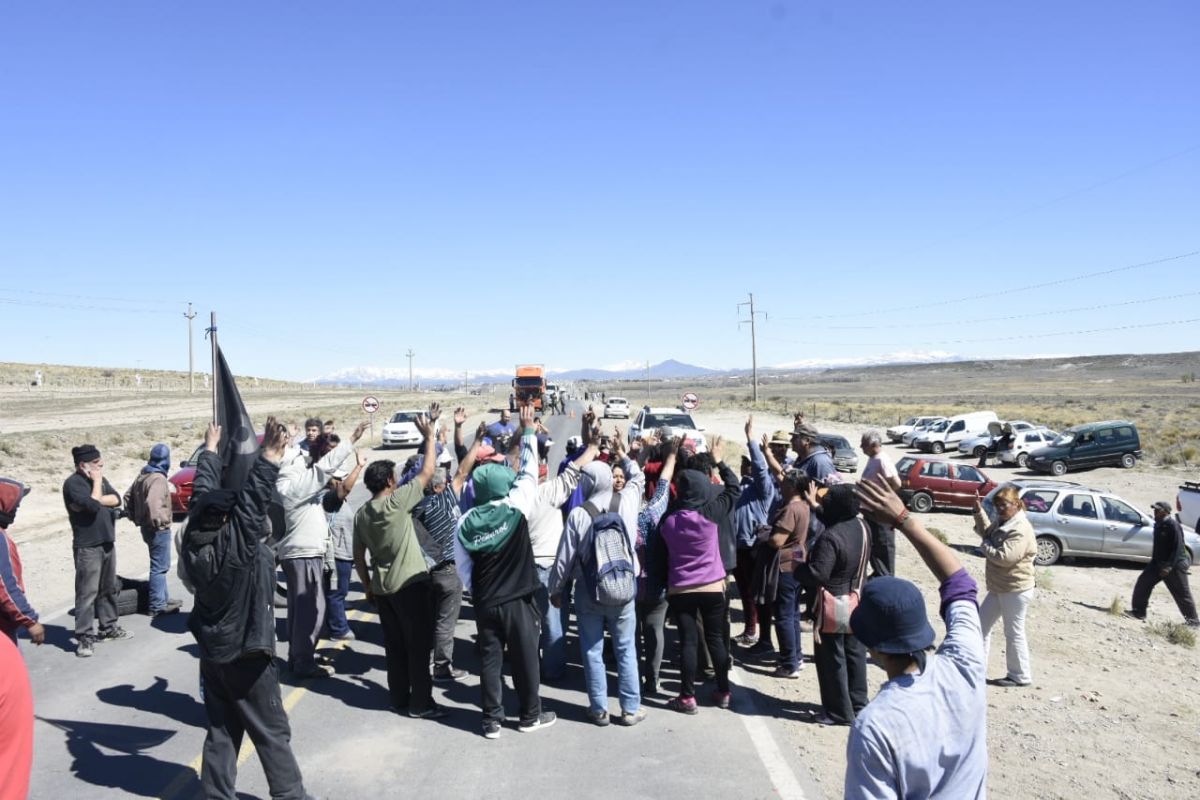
<point>750,428</point>
<point>212,436</point>
<point>460,416</point>
<point>435,411</point>
<point>359,430</point>
<point>526,415</point>
<point>424,425</point>
<point>715,447</point>
<point>879,501</point>
<point>766,440</point>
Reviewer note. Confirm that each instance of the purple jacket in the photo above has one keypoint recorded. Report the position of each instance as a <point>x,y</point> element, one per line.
<point>693,554</point>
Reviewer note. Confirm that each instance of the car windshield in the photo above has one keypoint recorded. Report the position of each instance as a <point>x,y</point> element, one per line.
<point>910,421</point>
<point>668,421</point>
<point>1066,438</point>
<point>941,426</point>
<point>618,400</point>
<point>404,416</point>
<point>530,383</point>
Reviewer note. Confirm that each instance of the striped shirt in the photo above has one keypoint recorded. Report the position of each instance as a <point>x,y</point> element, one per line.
<point>439,513</point>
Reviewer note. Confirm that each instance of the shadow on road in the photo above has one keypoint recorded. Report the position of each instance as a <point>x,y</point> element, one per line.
<point>157,699</point>
<point>128,769</point>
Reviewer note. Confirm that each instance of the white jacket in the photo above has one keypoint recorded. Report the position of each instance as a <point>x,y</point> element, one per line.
<point>300,486</point>
<point>546,519</point>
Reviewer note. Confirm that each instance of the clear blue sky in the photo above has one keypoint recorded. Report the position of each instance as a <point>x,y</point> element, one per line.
<point>588,183</point>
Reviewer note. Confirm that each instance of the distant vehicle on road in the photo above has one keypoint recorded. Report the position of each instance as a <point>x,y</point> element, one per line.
<point>845,457</point>
<point>401,429</point>
<point>1070,519</point>
<point>672,420</point>
<point>529,385</point>
<point>616,407</point>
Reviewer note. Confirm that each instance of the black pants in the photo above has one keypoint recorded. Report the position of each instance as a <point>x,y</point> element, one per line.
<point>446,597</point>
<point>517,625</point>
<point>883,549</point>
<point>407,618</point>
<point>243,697</point>
<point>96,588</point>
<point>689,610</point>
<point>1177,585</point>
<point>651,636</point>
<point>842,675</point>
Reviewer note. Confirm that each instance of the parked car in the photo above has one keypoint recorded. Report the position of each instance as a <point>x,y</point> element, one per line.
<point>616,407</point>
<point>1025,443</point>
<point>976,445</point>
<point>921,429</point>
<point>928,483</point>
<point>401,429</point>
<point>896,432</point>
<point>180,484</point>
<point>957,428</point>
<point>676,423</point>
<point>1096,444</point>
<point>1070,519</point>
<point>1187,503</point>
<point>845,457</point>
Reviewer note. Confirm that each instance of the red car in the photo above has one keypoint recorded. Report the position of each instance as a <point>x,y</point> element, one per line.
<point>181,482</point>
<point>926,483</point>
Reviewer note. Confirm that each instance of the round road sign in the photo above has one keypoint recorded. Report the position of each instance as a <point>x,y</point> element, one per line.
<point>370,404</point>
<point>690,401</point>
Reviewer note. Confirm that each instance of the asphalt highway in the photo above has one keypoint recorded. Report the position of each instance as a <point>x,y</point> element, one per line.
<point>128,722</point>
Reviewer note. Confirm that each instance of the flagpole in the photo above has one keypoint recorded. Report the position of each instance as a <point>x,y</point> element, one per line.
<point>213,335</point>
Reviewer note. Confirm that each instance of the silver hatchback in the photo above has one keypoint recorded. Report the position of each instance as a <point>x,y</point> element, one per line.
<point>1070,519</point>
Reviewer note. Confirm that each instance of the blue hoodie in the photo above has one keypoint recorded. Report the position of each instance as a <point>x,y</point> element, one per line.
<point>754,503</point>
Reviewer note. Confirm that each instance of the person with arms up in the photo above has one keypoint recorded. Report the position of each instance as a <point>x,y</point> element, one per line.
<point>925,733</point>
<point>495,561</point>
<point>92,505</point>
<point>749,516</point>
<point>1009,546</point>
<point>148,503</point>
<point>15,610</point>
<point>1169,564</point>
<point>224,553</point>
<point>399,581</point>
<point>341,533</point>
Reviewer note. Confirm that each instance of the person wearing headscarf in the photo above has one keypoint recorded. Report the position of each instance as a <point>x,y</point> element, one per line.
<point>494,557</point>
<point>148,503</point>
<point>16,612</point>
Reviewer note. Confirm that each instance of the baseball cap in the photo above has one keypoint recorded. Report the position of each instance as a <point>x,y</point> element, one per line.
<point>1162,505</point>
<point>806,431</point>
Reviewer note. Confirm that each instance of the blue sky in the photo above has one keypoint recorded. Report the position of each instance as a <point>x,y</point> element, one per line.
<point>583,184</point>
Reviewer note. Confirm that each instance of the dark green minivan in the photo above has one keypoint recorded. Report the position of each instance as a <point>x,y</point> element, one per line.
<point>1097,444</point>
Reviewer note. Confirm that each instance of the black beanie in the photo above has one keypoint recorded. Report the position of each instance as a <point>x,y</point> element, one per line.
<point>84,453</point>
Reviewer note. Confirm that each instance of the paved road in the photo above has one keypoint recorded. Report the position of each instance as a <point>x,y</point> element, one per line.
<point>128,723</point>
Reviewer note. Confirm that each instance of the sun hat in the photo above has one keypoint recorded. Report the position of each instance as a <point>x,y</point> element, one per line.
<point>891,617</point>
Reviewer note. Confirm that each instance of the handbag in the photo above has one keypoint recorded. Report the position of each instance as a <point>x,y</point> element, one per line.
<point>834,610</point>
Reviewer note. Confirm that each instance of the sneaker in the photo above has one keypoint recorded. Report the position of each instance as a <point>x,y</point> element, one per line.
<point>721,699</point>
<point>785,672</point>
<point>1192,623</point>
<point>828,721</point>
<point>172,607</point>
<point>1007,683</point>
<point>629,720</point>
<point>1134,615</point>
<point>446,675</point>
<point>650,690</point>
<point>491,729</point>
<point>597,718</point>
<point>348,636</point>
<point>684,705</point>
<point>84,648</point>
<point>545,720</point>
<point>746,640</point>
<point>113,633</point>
<point>433,712</point>
<point>761,648</point>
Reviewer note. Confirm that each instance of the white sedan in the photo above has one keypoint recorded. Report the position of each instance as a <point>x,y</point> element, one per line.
<point>616,407</point>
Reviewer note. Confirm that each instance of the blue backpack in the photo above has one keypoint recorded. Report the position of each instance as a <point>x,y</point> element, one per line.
<point>608,563</point>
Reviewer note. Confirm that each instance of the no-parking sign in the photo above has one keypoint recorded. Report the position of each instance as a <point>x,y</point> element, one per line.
<point>690,401</point>
<point>370,404</point>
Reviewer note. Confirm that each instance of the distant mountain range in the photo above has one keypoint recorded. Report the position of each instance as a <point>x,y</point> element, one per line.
<point>397,377</point>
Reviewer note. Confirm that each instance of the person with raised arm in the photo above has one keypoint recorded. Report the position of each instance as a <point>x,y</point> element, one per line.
<point>925,733</point>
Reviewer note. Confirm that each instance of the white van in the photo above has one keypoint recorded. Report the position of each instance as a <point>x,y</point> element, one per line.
<point>957,428</point>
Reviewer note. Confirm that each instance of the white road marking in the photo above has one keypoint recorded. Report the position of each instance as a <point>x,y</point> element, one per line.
<point>779,769</point>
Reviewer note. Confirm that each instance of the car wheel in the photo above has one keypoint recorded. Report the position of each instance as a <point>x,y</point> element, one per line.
<point>1022,460</point>
<point>1058,468</point>
<point>921,503</point>
<point>938,448</point>
<point>979,451</point>
<point>1128,461</point>
<point>1048,551</point>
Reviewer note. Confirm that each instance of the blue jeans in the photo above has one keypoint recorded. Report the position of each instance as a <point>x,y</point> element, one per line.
<point>337,586</point>
<point>621,622</point>
<point>554,628</point>
<point>787,620</point>
<point>160,562</point>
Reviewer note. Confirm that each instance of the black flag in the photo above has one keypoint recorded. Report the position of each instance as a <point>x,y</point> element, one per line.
<point>239,444</point>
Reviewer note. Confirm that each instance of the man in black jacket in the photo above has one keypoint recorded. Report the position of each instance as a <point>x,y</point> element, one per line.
<point>1169,564</point>
<point>233,620</point>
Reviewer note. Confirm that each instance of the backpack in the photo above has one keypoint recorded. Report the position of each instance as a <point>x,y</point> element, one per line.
<point>609,569</point>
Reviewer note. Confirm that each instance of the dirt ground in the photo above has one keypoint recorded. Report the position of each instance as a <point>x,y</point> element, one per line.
<point>1112,712</point>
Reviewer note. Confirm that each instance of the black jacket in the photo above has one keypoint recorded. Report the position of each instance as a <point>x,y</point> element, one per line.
<point>834,560</point>
<point>1168,543</point>
<point>232,568</point>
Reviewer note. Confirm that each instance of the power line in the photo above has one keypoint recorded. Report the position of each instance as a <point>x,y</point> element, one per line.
<point>90,297</point>
<point>83,307</point>
<point>1031,315</point>
<point>1011,290</point>
<point>995,338</point>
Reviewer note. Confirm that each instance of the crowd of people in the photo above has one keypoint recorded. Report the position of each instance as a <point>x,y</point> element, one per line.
<point>626,535</point>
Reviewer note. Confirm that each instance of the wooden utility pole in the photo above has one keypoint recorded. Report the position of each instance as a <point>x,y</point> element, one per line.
<point>753,343</point>
<point>410,355</point>
<point>190,315</point>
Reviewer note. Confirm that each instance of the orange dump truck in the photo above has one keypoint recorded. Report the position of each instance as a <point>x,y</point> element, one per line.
<point>528,385</point>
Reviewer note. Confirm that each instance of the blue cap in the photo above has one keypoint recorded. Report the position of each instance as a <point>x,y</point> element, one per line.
<point>891,617</point>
